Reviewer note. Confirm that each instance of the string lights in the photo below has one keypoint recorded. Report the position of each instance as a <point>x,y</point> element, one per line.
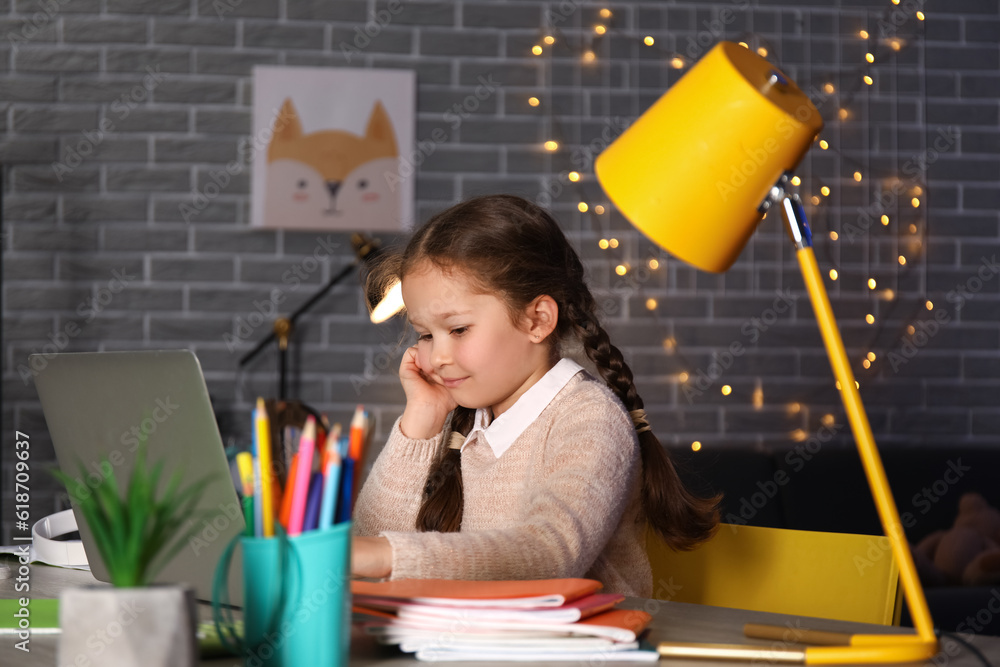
<point>879,51</point>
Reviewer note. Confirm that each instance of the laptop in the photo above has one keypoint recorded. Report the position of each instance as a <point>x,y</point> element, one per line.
<point>99,405</point>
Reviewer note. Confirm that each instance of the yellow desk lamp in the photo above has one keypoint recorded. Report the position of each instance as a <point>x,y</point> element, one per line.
<point>696,173</point>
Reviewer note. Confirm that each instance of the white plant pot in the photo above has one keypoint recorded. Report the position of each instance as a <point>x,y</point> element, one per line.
<point>151,626</point>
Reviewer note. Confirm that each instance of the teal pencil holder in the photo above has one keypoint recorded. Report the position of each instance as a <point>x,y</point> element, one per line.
<point>296,599</point>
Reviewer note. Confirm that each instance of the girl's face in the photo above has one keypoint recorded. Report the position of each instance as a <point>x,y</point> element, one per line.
<point>467,341</point>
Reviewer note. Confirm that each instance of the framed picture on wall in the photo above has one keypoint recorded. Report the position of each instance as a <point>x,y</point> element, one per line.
<point>331,146</point>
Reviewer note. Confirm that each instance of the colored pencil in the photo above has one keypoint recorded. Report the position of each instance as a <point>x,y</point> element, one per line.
<point>347,490</point>
<point>331,487</point>
<point>300,492</point>
<point>311,521</point>
<point>263,430</point>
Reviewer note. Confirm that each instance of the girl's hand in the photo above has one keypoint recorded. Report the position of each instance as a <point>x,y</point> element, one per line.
<point>427,401</point>
<point>371,557</point>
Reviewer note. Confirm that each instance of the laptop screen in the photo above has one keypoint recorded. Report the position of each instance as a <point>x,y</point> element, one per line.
<point>99,406</point>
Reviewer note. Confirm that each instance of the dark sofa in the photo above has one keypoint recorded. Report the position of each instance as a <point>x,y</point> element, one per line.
<point>818,486</point>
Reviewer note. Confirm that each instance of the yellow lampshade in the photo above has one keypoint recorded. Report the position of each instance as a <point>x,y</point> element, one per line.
<point>691,172</point>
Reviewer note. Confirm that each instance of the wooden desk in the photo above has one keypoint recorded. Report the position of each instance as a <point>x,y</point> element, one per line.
<point>672,621</point>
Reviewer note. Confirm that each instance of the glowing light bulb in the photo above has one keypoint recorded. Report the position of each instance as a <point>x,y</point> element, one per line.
<point>762,52</point>
<point>613,243</point>
<point>599,210</point>
<point>929,305</point>
<point>871,283</point>
<point>669,344</point>
<point>895,44</point>
<point>605,13</point>
<point>683,377</point>
<point>920,16</point>
<point>871,356</point>
<point>796,180</point>
<point>902,260</point>
<point>650,304</point>
<point>677,62</point>
<point>582,207</point>
<point>870,57</point>
<point>869,318</point>
<point>834,236</point>
<point>824,144</point>
<point>868,80</point>
<point>574,176</point>
<point>885,220</point>
<point>551,145</point>
<point>537,50</point>
<point>600,29</point>
<point>833,274</point>
<point>917,190</point>
<point>863,34</point>
<point>549,39</point>
<point>744,45</point>
<point>794,408</point>
<point>589,56</point>
<point>621,269</point>
<point>648,41</point>
<point>603,244</point>
<point>534,101</point>
<point>726,390</point>
<point>798,435</point>
<point>815,200</point>
<point>857,176</point>
<point>911,330</point>
<point>867,364</point>
<point>696,446</point>
<point>825,190</point>
<point>913,228</point>
<point>827,420</point>
<point>653,264</point>
<point>828,88</point>
<point>915,203</point>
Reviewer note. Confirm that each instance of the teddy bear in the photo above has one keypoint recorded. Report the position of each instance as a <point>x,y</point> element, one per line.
<point>968,553</point>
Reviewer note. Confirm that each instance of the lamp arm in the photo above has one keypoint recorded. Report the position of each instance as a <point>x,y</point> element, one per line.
<point>851,397</point>
<point>364,250</point>
<point>291,319</point>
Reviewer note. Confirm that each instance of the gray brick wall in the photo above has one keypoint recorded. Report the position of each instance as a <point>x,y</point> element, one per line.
<point>115,114</point>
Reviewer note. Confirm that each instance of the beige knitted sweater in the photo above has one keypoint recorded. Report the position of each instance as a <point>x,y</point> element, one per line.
<point>563,501</point>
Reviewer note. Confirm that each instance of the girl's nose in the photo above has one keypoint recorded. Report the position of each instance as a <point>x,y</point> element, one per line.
<point>440,354</point>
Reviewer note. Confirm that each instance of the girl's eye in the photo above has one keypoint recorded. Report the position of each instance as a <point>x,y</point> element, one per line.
<point>423,337</point>
<point>458,331</point>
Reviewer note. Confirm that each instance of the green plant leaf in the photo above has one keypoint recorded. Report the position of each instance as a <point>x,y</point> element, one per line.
<point>89,505</point>
<point>140,531</point>
<point>179,510</point>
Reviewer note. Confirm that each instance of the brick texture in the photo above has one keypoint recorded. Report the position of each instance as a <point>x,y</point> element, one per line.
<point>118,112</point>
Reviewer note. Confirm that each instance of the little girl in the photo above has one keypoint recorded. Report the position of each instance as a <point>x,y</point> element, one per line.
<point>508,461</point>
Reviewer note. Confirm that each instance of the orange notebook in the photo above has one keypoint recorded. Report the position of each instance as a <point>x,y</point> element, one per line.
<point>460,593</point>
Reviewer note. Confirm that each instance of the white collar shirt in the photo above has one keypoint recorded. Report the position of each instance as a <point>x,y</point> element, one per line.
<point>501,433</point>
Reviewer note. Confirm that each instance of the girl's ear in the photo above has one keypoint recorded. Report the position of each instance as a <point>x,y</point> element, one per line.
<point>541,315</point>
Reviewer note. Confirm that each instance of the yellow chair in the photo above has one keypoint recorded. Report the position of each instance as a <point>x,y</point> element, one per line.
<point>806,573</point>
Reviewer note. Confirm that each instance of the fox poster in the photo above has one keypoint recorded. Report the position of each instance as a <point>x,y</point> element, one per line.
<point>331,148</point>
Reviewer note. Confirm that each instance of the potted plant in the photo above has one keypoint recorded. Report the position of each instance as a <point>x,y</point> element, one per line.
<point>137,530</point>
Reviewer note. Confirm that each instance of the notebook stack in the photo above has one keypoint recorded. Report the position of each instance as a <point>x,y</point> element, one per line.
<point>547,619</point>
